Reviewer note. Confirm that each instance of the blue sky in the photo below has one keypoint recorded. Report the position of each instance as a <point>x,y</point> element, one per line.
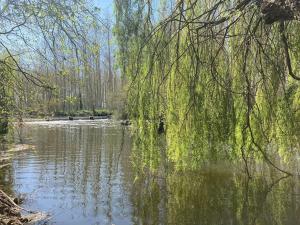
<point>106,6</point>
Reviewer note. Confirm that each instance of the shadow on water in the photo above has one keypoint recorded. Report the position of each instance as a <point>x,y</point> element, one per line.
<point>82,173</point>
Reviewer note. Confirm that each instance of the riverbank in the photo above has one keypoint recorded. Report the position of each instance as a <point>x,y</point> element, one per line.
<point>66,118</point>
<point>13,214</point>
<point>79,113</point>
<point>10,212</point>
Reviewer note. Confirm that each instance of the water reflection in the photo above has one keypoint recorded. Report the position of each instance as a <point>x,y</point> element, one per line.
<point>73,172</point>
<point>215,198</point>
<point>82,173</point>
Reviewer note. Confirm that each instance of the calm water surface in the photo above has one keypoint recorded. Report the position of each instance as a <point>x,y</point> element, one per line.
<point>81,173</point>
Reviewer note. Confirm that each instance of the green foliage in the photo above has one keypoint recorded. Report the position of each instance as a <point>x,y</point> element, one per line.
<point>58,63</point>
<point>224,92</point>
<point>102,112</point>
<point>84,112</point>
<point>7,84</point>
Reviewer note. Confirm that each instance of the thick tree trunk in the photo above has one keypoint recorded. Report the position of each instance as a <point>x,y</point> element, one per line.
<point>280,10</point>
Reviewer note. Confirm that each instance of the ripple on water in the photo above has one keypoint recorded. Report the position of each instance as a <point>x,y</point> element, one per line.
<point>78,173</point>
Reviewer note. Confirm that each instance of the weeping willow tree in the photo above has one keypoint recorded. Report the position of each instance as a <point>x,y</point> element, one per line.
<point>221,76</point>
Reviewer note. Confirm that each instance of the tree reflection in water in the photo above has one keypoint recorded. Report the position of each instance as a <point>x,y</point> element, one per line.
<point>85,173</point>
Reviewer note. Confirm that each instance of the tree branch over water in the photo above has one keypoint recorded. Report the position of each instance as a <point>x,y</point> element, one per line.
<point>219,73</point>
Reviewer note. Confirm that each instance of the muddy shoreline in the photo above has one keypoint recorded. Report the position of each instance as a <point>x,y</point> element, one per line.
<point>13,214</point>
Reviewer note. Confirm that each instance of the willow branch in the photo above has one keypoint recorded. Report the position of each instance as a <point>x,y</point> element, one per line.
<point>286,52</point>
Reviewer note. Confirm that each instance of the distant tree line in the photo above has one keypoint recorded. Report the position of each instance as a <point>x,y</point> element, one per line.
<point>56,57</point>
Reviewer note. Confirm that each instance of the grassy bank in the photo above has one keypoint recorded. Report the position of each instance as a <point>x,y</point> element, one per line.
<point>97,112</point>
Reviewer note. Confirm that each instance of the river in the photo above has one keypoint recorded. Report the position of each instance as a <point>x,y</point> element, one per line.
<point>82,173</point>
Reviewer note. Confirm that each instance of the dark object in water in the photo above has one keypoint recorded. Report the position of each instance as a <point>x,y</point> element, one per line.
<point>92,118</point>
<point>125,123</point>
<point>71,118</point>
<point>18,200</point>
<point>161,128</point>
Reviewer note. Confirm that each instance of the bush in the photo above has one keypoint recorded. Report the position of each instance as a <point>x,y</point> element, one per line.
<point>3,125</point>
<point>60,113</point>
<point>84,112</point>
<point>102,112</point>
